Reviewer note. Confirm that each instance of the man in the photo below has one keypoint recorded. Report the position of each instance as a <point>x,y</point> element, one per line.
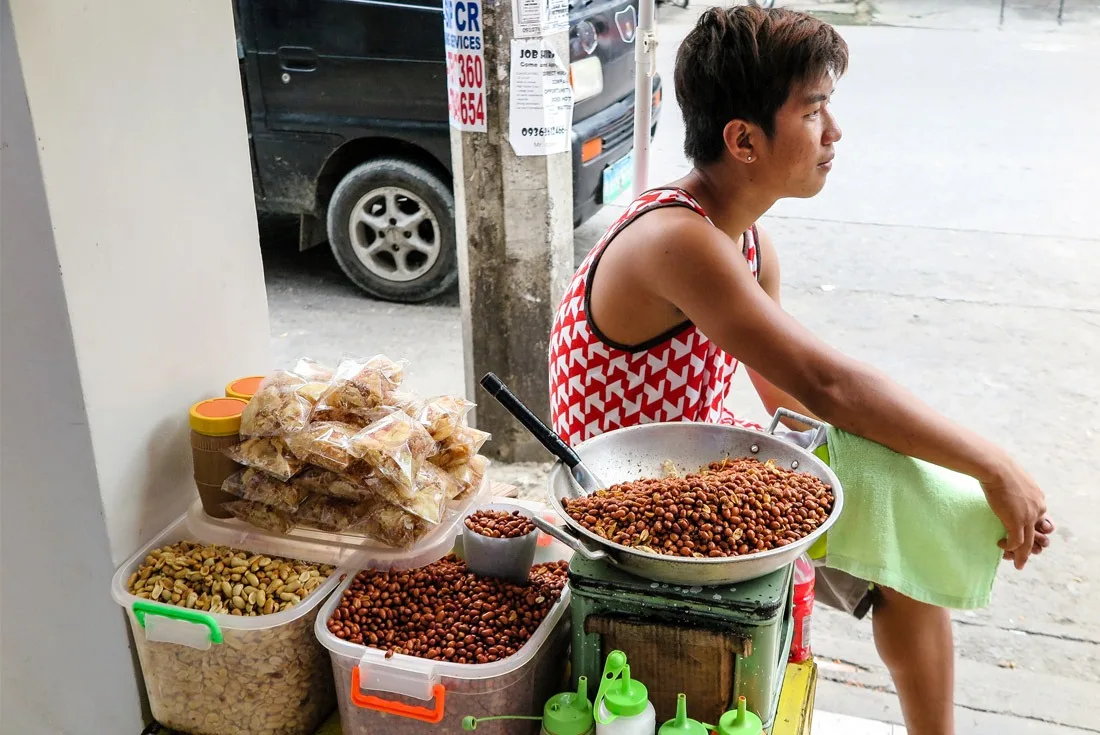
<point>685,287</point>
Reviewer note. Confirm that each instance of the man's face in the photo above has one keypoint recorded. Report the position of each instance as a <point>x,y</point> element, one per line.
<point>799,154</point>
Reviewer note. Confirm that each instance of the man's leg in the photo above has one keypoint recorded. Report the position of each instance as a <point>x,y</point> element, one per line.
<point>913,639</point>
<point>915,642</point>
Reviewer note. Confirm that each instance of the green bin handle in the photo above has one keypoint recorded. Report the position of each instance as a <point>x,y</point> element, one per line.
<point>145,607</point>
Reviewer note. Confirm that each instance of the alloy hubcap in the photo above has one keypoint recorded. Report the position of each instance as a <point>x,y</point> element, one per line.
<point>395,234</point>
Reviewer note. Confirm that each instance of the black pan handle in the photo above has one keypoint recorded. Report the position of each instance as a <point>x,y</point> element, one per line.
<point>546,436</point>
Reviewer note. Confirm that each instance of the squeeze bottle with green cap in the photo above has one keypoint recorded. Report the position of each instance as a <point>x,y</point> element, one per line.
<point>622,704</point>
<point>740,721</point>
<point>682,724</point>
<point>568,713</point>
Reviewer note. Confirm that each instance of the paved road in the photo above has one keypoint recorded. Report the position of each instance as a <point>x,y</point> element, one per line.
<point>956,248</point>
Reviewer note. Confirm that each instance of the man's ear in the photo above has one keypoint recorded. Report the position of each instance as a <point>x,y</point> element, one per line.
<point>739,137</point>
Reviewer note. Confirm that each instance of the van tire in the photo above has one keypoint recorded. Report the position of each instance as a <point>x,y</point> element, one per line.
<point>391,227</point>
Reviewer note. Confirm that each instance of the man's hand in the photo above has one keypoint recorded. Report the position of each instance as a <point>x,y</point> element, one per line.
<point>1016,499</point>
<point>1043,529</point>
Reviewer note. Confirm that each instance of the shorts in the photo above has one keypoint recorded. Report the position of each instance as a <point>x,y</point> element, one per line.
<point>842,591</point>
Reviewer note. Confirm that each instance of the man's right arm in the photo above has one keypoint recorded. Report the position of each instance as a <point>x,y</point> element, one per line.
<point>698,269</point>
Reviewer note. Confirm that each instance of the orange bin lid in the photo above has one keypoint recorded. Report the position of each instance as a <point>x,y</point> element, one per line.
<point>217,416</point>
<point>244,388</point>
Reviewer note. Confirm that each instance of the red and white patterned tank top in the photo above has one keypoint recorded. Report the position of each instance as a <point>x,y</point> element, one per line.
<point>597,385</point>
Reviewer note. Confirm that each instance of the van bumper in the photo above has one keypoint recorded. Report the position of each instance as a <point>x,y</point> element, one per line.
<point>615,126</point>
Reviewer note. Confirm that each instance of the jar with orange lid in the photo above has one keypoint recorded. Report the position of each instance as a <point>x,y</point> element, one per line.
<point>215,426</point>
<point>244,388</point>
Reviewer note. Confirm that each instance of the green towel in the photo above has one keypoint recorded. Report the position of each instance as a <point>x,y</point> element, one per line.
<point>915,527</point>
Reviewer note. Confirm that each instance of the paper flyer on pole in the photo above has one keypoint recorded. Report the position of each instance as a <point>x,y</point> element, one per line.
<point>541,99</point>
<point>464,42</point>
<point>534,18</point>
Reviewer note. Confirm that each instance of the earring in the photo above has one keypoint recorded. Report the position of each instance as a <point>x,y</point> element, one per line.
<point>749,158</point>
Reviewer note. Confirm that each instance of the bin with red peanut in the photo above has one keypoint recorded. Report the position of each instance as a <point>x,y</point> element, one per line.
<point>416,651</point>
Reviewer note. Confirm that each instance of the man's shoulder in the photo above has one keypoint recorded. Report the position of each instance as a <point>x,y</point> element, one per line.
<point>659,223</point>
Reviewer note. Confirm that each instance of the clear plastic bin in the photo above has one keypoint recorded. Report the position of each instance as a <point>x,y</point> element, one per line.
<point>216,674</point>
<point>407,695</point>
<point>325,547</point>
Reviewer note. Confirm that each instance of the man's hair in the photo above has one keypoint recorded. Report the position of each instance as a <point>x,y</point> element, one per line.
<point>741,63</point>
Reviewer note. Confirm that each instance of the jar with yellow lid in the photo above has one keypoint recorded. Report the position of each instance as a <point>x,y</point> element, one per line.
<point>215,426</point>
<point>244,388</point>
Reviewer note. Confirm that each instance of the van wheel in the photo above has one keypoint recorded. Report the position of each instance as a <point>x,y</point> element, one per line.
<point>391,226</point>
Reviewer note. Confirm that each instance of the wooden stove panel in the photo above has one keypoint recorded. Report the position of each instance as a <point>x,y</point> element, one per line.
<point>669,660</point>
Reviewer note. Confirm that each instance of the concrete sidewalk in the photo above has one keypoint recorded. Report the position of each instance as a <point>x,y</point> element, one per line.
<point>827,723</point>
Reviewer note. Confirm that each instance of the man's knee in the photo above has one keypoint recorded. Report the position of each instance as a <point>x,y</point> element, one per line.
<point>886,597</point>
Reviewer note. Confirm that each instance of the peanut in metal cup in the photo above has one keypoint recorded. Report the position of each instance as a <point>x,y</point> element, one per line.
<point>509,559</point>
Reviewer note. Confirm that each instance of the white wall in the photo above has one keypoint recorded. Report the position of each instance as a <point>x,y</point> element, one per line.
<point>47,473</point>
<point>132,285</point>
<point>142,138</point>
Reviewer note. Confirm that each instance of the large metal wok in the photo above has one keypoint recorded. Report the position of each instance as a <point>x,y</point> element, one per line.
<point>641,451</point>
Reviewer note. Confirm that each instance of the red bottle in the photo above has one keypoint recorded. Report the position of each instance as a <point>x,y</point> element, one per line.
<point>803,607</point>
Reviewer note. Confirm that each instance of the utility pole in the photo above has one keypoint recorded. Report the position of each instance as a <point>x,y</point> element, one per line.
<point>511,123</point>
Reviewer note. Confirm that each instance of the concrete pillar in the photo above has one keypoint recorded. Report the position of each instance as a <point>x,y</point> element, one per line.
<point>515,248</point>
<point>132,286</point>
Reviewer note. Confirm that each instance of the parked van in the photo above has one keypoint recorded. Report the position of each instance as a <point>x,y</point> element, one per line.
<point>347,111</point>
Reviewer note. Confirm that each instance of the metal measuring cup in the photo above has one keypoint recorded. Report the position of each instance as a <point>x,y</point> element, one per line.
<point>504,558</point>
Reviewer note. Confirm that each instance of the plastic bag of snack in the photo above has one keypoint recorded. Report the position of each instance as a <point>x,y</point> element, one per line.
<point>312,391</point>
<point>332,514</point>
<point>410,403</point>
<point>469,475</point>
<point>443,414</point>
<point>312,371</point>
<point>460,447</point>
<point>396,446</point>
<point>355,419</point>
<point>362,482</point>
<point>333,484</point>
<point>372,517</point>
<point>437,481</point>
<point>260,515</point>
<point>371,415</point>
<point>425,499</point>
<point>360,385</point>
<point>262,488</point>
<point>392,526</point>
<point>277,407</point>
<point>316,376</point>
<point>267,453</point>
<point>323,443</point>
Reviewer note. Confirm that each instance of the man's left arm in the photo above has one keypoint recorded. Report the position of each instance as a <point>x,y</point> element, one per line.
<point>770,396</point>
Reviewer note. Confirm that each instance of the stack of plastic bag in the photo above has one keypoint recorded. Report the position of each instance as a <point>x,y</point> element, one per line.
<point>346,451</point>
